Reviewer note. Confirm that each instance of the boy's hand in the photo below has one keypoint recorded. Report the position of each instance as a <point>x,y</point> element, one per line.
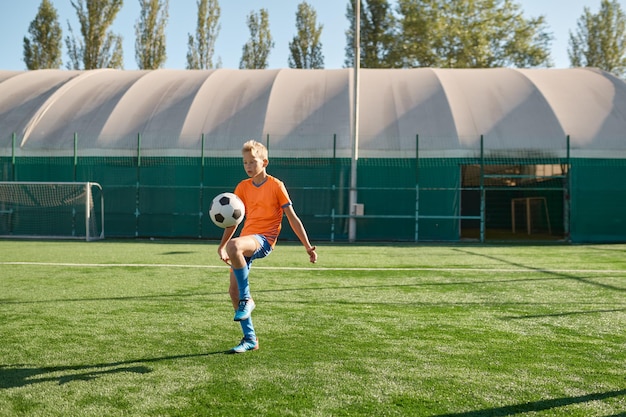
<point>223,255</point>
<point>312,254</point>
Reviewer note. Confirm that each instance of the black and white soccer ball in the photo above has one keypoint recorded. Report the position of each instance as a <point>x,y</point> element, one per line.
<point>227,210</point>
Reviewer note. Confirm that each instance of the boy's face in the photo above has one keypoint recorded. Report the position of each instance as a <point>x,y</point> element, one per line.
<point>253,165</point>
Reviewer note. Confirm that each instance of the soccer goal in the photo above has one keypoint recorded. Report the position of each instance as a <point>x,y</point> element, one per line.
<point>52,210</point>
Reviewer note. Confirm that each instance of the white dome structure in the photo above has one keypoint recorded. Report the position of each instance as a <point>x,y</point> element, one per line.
<point>452,148</point>
<point>449,108</point>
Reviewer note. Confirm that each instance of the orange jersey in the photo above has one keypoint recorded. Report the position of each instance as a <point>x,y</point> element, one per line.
<point>264,207</point>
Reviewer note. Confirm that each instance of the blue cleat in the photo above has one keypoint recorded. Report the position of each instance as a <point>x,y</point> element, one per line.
<point>245,345</point>
<point>244,310</point>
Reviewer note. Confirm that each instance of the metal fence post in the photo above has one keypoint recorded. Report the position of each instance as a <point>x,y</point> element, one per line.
<point>482,189</point>
<point>417,186</point>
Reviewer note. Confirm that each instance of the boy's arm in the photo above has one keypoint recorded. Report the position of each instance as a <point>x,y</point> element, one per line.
<point>221,249</point>
<point>298,228</point>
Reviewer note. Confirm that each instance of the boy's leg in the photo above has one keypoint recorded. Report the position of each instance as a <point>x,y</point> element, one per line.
<point>249,340</point>
<point>238,250</point>
<point>248,329</point>
<point>233,290</point>
<point>241,255</point>
<point>245,345</point>
<point>243,285</point>
<point>239,302</point>
<point>240,247</point>
<point>246,303</point>
<point>246,325</point>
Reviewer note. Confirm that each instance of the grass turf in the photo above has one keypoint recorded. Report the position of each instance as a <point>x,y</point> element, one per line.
<point>131,328</point>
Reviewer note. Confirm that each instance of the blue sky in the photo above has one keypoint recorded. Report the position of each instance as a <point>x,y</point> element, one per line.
<point>16,15</point>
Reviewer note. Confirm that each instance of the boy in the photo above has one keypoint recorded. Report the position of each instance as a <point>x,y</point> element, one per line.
<point>266,199</point>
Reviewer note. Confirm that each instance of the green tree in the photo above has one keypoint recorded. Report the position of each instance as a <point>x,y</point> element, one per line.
<point>202,47</point>
<point>470,34</point>
<point>150,52</point>
<point>43,48</point>
<point>98,47</point>
<point>305,48</point>
<point>600,39</point>
<point>419,24</point>
<point>257,50</point>
<point>377,34</point>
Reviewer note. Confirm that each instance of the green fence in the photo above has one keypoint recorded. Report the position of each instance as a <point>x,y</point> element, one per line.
<point>488,196</point>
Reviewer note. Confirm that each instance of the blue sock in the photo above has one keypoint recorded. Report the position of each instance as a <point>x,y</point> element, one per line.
<point>248,329</point>
<point>242,282</point>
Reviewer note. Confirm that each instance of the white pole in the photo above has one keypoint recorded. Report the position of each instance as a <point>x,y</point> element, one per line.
<point>87,211</point>
<point>355,129</point>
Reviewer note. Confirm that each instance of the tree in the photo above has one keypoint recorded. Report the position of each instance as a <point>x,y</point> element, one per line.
<point>473,34</point>
<point>419,25</point>
<point>377,33</point>
<point>43,48</point>
<point>202,48</point>
<point>492,33</point>
<point>306,48</point>
<point>98,47</point>
<point>600,39</point>
<point>150,50</point>
<point>257,50</point>
<point>450,33</point>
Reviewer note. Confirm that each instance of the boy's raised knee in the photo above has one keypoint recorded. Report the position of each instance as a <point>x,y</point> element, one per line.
<point>232,249</point>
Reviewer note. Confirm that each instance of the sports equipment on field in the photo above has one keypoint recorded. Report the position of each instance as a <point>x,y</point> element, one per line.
<point>227,210</point>
<point>55,210</point>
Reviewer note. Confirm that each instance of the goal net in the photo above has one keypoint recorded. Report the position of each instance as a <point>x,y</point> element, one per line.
<point>54,210</point>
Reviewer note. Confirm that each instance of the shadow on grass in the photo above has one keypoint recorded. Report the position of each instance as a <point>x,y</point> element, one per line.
<point>174,297</point>
<point>536,406</point>
<point>15,376</point>
<point>547,271</point>
<point>178,252</point>
<point>569,313</point>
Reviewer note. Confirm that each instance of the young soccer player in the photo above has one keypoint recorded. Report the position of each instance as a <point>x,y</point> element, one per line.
<point>266,200</point>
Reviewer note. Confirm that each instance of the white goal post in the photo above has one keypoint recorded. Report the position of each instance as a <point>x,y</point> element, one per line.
<point>51,210</point>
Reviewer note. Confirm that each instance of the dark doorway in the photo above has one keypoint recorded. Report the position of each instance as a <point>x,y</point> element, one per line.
<point>522,202</point>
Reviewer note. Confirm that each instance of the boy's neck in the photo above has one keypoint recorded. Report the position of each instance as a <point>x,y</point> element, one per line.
<point>260,178</point>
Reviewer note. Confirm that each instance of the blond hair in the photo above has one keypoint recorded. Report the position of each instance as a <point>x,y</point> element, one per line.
<point>257,149</point>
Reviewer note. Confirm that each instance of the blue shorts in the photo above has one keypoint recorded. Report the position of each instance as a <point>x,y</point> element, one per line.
<point>264,249</point>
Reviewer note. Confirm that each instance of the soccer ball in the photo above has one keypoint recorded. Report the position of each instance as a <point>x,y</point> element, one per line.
<point>227,210</point>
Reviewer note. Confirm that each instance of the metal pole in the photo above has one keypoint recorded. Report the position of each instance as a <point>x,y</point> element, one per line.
<point>201,191</point>
<point>137,196</point>
<point>14,136</point>
<point>75,153</point>
<point>417,186</point>
<point>568,194</point>
<point>333,196</point>
<point>482,190</point>
<point>202,157</point>
<point>138,152</point>
<point>355,129</point>
<point>87,210</point>
<point>88,197</point>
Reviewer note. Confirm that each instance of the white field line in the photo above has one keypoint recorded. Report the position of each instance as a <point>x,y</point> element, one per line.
<point>316,268</point>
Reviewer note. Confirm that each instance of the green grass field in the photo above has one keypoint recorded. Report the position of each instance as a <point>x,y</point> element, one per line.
<point>139,328</point>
